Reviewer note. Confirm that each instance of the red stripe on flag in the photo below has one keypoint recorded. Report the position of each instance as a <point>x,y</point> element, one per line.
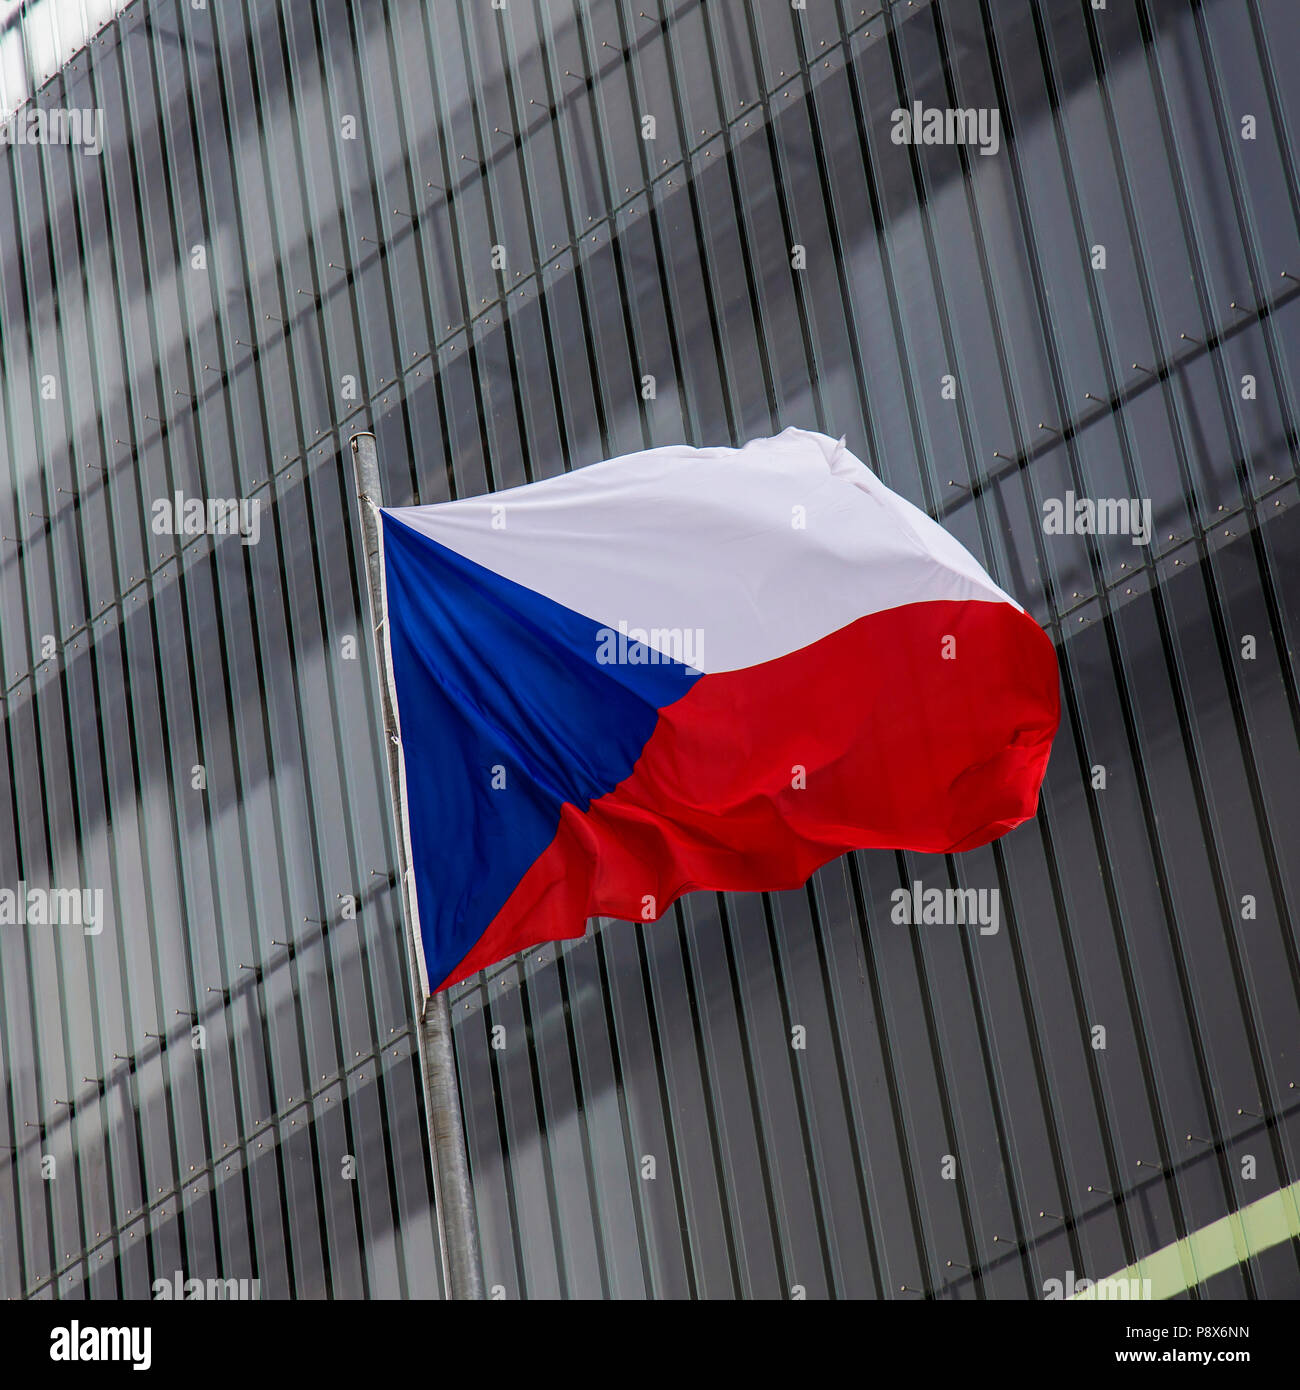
<point>902,747</point>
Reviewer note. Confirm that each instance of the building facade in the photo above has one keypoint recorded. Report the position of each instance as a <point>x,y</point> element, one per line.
<point>515,238</point>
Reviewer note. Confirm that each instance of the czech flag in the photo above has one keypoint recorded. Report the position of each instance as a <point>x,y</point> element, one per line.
<point>693,669</point>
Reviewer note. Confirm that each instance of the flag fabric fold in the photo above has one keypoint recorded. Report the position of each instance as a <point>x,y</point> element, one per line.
<point>693,669</point>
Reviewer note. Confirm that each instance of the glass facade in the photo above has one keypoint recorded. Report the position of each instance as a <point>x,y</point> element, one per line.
<point>513,240</point>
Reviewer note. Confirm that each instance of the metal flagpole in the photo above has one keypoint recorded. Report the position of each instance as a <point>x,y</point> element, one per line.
<point>457,1225</point>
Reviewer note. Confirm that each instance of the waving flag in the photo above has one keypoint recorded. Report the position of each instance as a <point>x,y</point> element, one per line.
<point>693,668</point>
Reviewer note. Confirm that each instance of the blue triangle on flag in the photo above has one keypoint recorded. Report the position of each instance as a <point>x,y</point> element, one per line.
<point>507,712</point>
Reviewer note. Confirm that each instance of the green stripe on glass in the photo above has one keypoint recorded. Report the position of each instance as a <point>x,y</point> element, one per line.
<point>1209,1251</point>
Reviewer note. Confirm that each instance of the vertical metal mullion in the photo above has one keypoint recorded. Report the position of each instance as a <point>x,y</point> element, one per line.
<point>558,99</point>
<point>383,1086</point>
<point>28,602</point>
<point>879,223</point>
<point>72,1082</point>
<point>549,335</point>
<point>96,336</point>
<point>1076,718</point>
<point>1216,609</point>
<point>130,1080</point>
<point>1127,710</point>
<point>472,348</point>
<point>342,769</point>
<point>28,631</point>
<point>222,645</point>
<point>920,435</point>
<point>1167,628</point>
<point>329,84</point>
<point>1052,1123</point>
<point>717,326</point>
<point>458,237</point>
<point>182,845</point>
<point>228,370</point>
<point>1277,114</point>
<point>627,298</point>
<point>495,224</point>
<point>255,42</point>
<point>156,339</point>
<point>981,1011</point>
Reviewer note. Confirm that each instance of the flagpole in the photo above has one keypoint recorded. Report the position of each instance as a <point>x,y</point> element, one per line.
<point>453,1199</point>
